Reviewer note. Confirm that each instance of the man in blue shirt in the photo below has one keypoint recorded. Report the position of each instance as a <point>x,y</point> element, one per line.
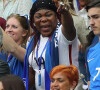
<point>93,56</point>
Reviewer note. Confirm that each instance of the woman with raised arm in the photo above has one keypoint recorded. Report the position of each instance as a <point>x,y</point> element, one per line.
<point>17,28</point>
<point>52,43</point>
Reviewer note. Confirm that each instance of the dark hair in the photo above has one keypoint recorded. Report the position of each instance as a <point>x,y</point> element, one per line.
<point>89,38</point>
<point>12,82</point>
<point>93,3</point>
<point>4,68</point>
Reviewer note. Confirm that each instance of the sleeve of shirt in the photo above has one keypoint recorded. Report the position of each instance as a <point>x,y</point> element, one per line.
<point>62,37</point>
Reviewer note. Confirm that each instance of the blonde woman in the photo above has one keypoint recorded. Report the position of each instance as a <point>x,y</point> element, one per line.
<point>17,28</point>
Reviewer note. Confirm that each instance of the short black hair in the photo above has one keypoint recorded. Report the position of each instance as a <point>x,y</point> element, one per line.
<point>94,3</point>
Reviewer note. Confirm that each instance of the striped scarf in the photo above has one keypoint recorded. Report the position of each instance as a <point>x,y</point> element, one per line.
<point>51,59</point>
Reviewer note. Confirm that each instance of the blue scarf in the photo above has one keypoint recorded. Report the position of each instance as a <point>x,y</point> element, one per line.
<point>33,1</point>
<point>78,4</point>
<point>26,64</point>
<point>51,58</point>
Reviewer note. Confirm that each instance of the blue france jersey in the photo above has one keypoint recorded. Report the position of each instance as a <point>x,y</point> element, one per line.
<point>93,59</point>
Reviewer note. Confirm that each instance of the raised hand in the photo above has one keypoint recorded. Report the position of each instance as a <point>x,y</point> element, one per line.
<point>66,19</point>
<point>62,5</point>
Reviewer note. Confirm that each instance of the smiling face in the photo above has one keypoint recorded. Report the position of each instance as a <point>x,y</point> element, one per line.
<point>15,30</point>
<point>60,82</point>
<point>45,21</point>
<point>94,17</point>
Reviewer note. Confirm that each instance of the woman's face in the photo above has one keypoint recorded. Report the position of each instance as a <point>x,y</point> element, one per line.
<point>1,86</point>
<point>45,21</point>
<point>15,30</point>
<point>60,82</point>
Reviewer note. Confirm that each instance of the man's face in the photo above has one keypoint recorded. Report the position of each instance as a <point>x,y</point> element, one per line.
<point>94,17</point>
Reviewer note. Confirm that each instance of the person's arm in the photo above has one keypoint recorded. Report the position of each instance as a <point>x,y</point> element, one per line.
<point>88,84</point>
<point>9,45</point>
<point>68,28</point>
<point>31,78</point>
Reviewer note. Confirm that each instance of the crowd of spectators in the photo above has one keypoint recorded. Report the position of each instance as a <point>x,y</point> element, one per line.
<point>43,40</point>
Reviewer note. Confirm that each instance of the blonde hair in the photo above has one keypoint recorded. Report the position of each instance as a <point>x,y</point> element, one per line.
<point>24,23</point>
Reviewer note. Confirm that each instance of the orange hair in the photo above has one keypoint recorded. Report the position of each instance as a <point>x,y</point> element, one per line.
<point>71,72</point>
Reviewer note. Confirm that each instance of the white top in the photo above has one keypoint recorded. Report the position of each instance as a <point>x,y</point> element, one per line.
<point>21,7</point>
<point>83,13</point>
<point>75,6</point>
<point>63,46</point>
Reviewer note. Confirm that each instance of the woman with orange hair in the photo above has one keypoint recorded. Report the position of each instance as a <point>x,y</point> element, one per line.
<point>64,77</point>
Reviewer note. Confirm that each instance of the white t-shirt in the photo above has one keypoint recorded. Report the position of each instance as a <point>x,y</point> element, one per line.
<point>63,47</point>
